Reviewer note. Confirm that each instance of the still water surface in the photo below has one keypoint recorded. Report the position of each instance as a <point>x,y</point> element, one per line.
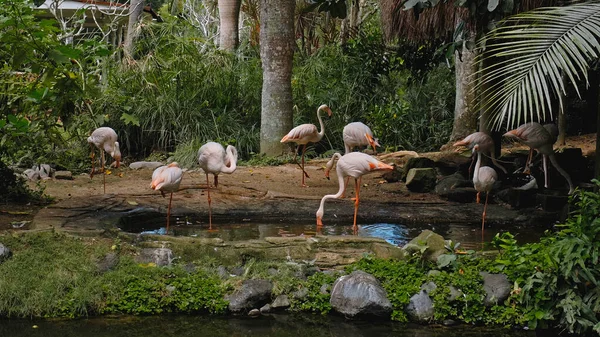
<point>266,326</point>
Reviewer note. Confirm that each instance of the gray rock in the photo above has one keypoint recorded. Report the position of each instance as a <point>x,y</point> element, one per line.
<point>254,313</point>
<point>159,256</point>
<point>108,262</point>
<point>145,165</point>
<point>300,294</point>
<point>325,289</point>
<point>45,172</point>
<point>222,272</point>
<point>449,322</point>
<point>272,271</point>
<point>497,288</point>
<point>416,162</point>
<point>360,294</point>
<point>420,308</point>
<point>455,187</point>
<point>237,271</point>
<point>428,287</point>
<point>433,242</point>
<point>421,179</point>
<point>252,294</point>
<point>454,294</point>
<point>5,253</point>
<point>31,174</point>
<point>280,303</point>
<point>63,175</point>
<point>265,309</point>
<point>394,175</point>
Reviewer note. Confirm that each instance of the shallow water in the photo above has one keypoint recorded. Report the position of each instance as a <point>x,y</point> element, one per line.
<point>469,235</point>
<point>265,326</point>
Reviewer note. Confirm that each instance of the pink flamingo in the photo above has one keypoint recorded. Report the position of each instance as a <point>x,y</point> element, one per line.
<point>105,139</point>
<point>484,178</point>
<point>485,144</point>
<point>358,134</point>
<point>304,134</point>
<point>213,158</point>
<point>167,179</point>
<point>540,138</point>
<point>355,165</point>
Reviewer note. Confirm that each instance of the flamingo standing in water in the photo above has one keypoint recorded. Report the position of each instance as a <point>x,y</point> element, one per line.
<point>304,134</point>
<point>483,180</point>
<point>358,134</point>
<point>213,158</point>
<point>355,165</point>
<point>167,179</point>
<point>540,138</point>
<point>485,145</point>
<point>105,139</point>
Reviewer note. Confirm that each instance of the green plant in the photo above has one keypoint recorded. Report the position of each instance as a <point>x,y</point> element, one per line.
<point>315,301</point>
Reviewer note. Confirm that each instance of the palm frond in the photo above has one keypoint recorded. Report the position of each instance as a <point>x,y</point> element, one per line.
<point>530,55</point>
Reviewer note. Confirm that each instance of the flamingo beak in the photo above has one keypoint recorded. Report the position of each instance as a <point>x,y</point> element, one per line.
<point>319,222</point>
<point>327,174</point>
<point>329,112</point>
<point>118,163</point>
<point>461,143</point>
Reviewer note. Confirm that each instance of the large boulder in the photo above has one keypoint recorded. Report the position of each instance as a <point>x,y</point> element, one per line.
<point>161,257</point>
<point>421,179</point>
<point>253,294</point>
<point>416,162</point>
<point>456,187</point>
<point>497,288</point>
<point>429,244</point>
<point>360,294</point>
<point>420,308</point>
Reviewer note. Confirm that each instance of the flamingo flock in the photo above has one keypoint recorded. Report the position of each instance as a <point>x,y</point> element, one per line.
<point>214,159</point>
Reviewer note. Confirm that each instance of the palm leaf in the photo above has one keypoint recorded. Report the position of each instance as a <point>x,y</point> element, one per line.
<point>530,54</point>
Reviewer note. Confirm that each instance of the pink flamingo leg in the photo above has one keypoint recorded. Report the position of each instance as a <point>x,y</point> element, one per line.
<point>484,212</point>
<point>103,171</point>
<point>356,201</point>
<point>93,156</point>
<point>545,163</point>
<point>297,163</point>
<point>303,171</point>
<point>209,204</point>
<point>527,170</point>
<point>169,212</point>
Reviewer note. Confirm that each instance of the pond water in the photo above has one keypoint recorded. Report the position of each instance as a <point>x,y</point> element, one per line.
<point>469,235</point>
<point>265,326</point>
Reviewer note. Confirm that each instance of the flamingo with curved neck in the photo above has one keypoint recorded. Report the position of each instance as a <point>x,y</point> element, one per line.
<point>483,180</point>
<point>304,134</point>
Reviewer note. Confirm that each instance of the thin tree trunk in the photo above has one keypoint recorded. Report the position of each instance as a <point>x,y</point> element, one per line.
<point>229,16</point>
<point>277,53</point>
<point>465,111</point>
<point>135,12</point>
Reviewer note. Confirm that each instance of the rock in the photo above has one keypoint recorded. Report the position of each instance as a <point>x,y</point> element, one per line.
<point>421,179</point>
<point>517,198</point>
<point>420,308</point>
<point>272,271</point>
<point>300,294</point>
<point>237,271</point>
<point>428,287</point>
<point>265,309</point>
<point>360,294</point>
<point>434,243</point>
<point>63,175</point>
<point>416,162</point>
<point>449,322</point>
<point>394,175</point>
<point>108,262</point>
<point>324,290</point>
<point>31,174</point>
<point>497,288</point>
<point>254,313</point>
<point>456,187</point>
<point>311,270</point>
<point>159,256</point>
<point>252,294</point>
<point>454,294</point>
<point>280,303</point>
<point>45,172</point>
<point>145,165</point>
<point>5,253</point>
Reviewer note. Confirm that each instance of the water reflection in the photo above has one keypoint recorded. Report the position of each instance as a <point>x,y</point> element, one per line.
<point>266,326</point>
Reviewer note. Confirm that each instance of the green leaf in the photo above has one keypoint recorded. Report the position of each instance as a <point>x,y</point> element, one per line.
<point>130,119</point>
<point>445,259</point>
<point>57,56</point>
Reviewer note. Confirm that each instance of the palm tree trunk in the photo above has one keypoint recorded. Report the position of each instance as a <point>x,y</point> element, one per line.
<point>229,16</point>
<point>465,111</point>
<point>135,12</point>
<point>277,53</point>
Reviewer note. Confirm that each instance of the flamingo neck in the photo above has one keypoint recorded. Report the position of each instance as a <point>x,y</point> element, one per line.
<point>477,166</point>
<point>321,209</point>
<point>331,162</point>
<point>322,132</point>
<point>232,159</point>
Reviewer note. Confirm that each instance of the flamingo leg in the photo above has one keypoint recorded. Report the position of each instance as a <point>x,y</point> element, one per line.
<point>478,197</point>
<point>93,156</point>
<point>216,180</point>
<point>545,163</point>
<point>487,194</point>
<point>103,171</point>
<point>356,201</point>
<point>471,166</point>
<point>297,163</point>
<point>209,204</point>
<point>527,170</point>
<point>169,212</point>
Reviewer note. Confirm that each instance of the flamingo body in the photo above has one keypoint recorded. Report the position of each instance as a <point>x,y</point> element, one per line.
<point>485,144</point>
<point>105,139</point>
<point>358,134</point>
<point>542,139</point>
<point>215,159</point>
<point>167,179</point>
<point>304,134</point>
<point>355,165</point>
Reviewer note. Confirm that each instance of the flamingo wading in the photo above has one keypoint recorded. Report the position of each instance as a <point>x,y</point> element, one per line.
<point>167,179</point>
<point>105,139</point>
<point>213,158</point>
<point>358,134</point>
<point>304,134</point>
<point>483,180</point>
<point>355,165</point>
<point>542,139</point>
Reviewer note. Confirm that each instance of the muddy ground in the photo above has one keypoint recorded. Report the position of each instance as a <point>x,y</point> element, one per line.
<point>252,192</point>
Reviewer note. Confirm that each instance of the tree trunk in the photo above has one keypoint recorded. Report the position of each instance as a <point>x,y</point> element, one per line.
<point>465,111</point>
<point>135,12</point>
<point>277,53</point>
<point>229,17</point>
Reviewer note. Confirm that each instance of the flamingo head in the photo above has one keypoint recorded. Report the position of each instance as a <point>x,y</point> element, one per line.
<point>116,154</point>
<point>173,164</point>
<point>372,141</point>
<point>320,217</point>
<point>327,174</point>
<point>326,108</point>
<point>476,148</point>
